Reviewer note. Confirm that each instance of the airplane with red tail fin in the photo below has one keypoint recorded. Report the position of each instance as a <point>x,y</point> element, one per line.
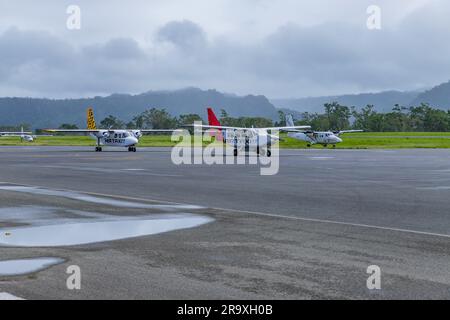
<point>240,138</point>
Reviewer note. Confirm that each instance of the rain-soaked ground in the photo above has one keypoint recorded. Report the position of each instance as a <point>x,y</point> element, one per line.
<point>27,222</point>
<point>311,231</point>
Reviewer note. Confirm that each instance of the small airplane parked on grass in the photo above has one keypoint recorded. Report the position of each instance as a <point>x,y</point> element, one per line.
<point>125,138</point>
<point>316,137</point>
<point>245,138</point>
<point>24,136</point>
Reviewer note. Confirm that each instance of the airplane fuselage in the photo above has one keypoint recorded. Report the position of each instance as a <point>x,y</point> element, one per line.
<point>317,137</point>
<point>27,138</point>
<point>117,138</point>
<point>23,137</point>
<point>251,138</point>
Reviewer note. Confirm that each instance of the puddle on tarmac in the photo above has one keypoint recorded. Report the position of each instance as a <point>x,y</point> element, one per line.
<point>99,200</point>
<point>39,215</point>
<point>69,234</point>
<point>54,226</point>
<point>24,266</point>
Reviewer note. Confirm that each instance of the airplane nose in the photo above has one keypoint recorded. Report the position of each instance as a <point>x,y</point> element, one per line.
<point>338,139</point>
<point>133,140</point>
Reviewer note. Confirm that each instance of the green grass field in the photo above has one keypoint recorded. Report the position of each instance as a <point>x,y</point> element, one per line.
<point>365,140</point>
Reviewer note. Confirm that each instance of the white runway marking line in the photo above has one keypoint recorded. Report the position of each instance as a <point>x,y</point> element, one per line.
<point>434,188</point>
<point>8,296</point>
<point>321,158</point>
<point>96,169</point>
<point>264,214</point>
<point>341,223</point>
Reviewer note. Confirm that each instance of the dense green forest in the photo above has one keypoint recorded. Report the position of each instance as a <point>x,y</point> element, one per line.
<point>422,118</point>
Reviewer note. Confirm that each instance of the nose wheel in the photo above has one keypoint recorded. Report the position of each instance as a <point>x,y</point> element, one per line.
<point>131,149</point>
<point>98,149</point>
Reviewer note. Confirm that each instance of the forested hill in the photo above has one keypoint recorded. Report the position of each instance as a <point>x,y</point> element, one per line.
<point>438,96</point>
<point>383,101</point>
<point>42,113</point>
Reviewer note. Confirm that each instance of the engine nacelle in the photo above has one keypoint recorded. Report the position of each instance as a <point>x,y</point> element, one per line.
<point>104,134</point>
<point>137,133</point>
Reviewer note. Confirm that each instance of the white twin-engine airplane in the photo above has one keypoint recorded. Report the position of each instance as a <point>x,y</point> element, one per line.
<point>126,138</point>
<point>316,137</point>
<point>27,136</point>
<point>245,138</point>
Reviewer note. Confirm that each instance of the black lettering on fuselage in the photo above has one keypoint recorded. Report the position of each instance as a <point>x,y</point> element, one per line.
<point>114,141</point>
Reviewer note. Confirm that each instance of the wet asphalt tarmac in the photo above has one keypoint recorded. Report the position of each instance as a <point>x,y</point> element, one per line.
<point>308,232</point>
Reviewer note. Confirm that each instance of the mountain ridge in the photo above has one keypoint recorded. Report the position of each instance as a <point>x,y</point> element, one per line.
<point>43,112</point>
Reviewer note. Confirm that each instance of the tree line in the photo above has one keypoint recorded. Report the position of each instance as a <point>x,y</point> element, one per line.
<point>423,118</point>
<point>335,117</point>
<point>160,119</point>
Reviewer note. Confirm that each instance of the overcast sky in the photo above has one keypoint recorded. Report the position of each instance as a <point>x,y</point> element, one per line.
<point>284,48</point>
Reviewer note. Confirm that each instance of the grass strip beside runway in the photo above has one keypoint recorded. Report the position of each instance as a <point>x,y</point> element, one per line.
<point>365,140</point>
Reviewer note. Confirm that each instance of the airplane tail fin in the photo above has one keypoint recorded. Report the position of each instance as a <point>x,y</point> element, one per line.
<point>90,119</point>
<point>289,120</point>
<point>213,121</point>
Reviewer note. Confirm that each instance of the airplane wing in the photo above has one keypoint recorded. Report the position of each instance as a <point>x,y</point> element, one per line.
<point>348,131</point>
<point>207,126</point>
<point>287,128</point>
<point>108,130</point>
<point>13,133</point>
<point>155,130</point>
<point>73,130</point>
<point>241,128</point>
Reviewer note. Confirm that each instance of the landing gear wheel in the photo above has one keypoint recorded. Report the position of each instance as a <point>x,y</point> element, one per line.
<point>131,149</point>
<point>235,152</point>
<point>269,153</point>
<point>308,145</point>
<point>334,146</point>
<point>98,149</point>
<point>325,145</point>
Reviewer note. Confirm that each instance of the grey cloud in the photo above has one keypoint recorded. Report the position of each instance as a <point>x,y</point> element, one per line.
<point>329,58</point>
<point>184,34</point>
<point>18,47</point>
<point>119,48</point>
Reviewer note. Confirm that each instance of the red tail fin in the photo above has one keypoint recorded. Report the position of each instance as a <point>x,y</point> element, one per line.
<point>212,121</point>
